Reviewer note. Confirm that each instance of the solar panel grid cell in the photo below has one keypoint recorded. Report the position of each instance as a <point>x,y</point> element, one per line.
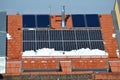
<point>78,20</point>
<point>55,35</point>
<point>41,45</point>
<point>42,35</point>
<point>29,21</point>
<point>97,45</point>
<point>43,21</point>
<point>92,20</point>
<point>82,35</point>
<point>56,45</point>
<point>68,46</point>
<point>28,46</point>
<point>83,44</point>
<point>29,35</point>
<point>68,35</point>
<point>95,35</point>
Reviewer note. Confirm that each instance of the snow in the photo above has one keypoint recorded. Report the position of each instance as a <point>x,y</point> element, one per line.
<point>31,29</point>
<point>113,35</point>
<point>52,52</point>
<point>2,65</point>
<point>117,52</point>
<point>9,36</point>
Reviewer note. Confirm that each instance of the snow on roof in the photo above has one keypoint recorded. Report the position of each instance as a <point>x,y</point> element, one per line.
<point>52,52</point>
<point>113,35</point>
<point>9,36</point>
<point>2,65</point>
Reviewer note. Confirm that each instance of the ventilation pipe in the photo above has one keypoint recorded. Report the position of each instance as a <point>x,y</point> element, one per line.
<point>63,16</point>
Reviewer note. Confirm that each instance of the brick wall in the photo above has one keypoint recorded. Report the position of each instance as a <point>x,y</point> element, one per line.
<point>14,45</point>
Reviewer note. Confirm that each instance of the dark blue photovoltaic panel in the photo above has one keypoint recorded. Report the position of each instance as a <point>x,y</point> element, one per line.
<point>41,45</point>
<point>55,35</point>
<point>42,35</point>
<point>68,46</point>
<point>97,45</point>
<point>28,35</point>
<point>84,44</point>
<point>56,45</point>
<point>95,35</point>
<point>82,35</point>
<point>92,20</point>
<point>29,46</point>
<point>78,20</point>
<point>43,20</point>
<point>68,35</point>
<point>28,21</point>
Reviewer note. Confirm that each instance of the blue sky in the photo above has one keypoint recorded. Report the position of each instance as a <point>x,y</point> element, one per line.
<point>42,6</point>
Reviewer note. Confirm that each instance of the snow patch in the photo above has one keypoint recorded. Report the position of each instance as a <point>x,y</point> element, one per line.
<point>2,65</point>
<point>9,36</point>
<point>117,52</point>
<point>29,53</point>
<point>52,52</point>
<point>113,35</point>
<point>31,29</point>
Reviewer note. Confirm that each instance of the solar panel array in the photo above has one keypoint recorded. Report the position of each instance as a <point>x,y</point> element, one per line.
<point>36,21</point>
<point>62,39</point>
<point>89,20</point>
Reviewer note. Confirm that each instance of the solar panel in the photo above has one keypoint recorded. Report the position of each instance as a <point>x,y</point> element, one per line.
<point>92,20</point>
<point>78,20</point>
<point>41,45</point>
<point>68,35</point>
<point>56,45</point>
<point>95,35</point>
<point>82,35</point>
<point>62,39</point>
<point>68,46</point>
<point>29,46</point>
<point>42,35</point>
<point>55,35</point>
<point>28,35</point>
<point>83,44</point>
<point>43,21</point>
<point>97,45</point>
<point>28,21</point>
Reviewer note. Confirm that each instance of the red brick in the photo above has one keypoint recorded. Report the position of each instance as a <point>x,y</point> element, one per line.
<point>15,44</point>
